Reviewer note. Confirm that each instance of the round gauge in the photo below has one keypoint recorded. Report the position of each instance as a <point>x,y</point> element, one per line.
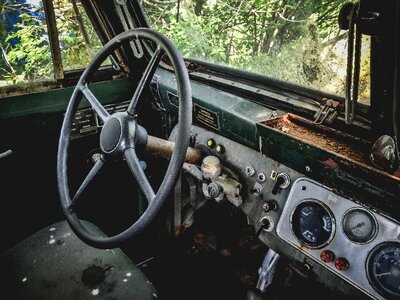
<point>312,224</point>
<point>359,226</point>
<point>383,269</point>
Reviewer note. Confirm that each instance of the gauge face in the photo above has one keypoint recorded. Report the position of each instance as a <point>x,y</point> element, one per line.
<point>359,226</point>
<point>312,224</point>
<point>383,269</point>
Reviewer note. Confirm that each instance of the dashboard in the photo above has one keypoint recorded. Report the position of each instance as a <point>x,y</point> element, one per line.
<point>354,242</point>
<point>340,239</point>
<point>328,232</point>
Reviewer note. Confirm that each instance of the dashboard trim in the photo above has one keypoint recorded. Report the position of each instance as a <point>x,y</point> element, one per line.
<point>357,254</point>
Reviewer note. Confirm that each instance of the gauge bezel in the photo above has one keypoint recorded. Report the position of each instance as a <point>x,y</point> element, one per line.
<point>374,283</point>
<point>330,215</point>
<point>376,228</point>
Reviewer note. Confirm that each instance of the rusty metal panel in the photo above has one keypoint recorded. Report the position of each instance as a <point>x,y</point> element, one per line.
<point>334,158</point>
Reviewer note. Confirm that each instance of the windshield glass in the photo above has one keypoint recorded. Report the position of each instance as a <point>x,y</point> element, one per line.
<point>25,44</point>
<point>290,40</point>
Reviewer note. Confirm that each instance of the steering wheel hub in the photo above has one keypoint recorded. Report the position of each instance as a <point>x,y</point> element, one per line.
<point>110,135</point>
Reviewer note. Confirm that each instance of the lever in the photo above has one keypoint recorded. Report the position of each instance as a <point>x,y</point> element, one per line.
<point>265,224</point>
<point>5,154</point>
<point>279,181</point>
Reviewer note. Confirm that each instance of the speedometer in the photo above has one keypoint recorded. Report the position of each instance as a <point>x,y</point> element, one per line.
<point>383,269</point>
<point>312,223</point>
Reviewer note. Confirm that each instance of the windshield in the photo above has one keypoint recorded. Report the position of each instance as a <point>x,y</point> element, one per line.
<point>294,41</point>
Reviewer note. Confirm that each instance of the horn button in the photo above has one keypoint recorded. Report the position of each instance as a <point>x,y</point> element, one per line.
<point>110,135</point>
<point>120,132</point>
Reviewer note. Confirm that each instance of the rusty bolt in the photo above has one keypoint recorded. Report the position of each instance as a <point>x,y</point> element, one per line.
<point>268,206</point>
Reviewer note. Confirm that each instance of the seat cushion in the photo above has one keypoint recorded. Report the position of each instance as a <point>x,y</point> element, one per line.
<point>54,263</point>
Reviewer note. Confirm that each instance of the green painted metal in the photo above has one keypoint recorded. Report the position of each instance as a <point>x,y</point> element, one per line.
<point>237,116</point>
<point>56,100</point>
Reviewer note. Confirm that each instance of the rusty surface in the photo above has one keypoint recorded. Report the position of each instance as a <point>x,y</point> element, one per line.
<point>323,137</point>
<point>26,88</point>
<point>164,148</point>
<point>53,37</point>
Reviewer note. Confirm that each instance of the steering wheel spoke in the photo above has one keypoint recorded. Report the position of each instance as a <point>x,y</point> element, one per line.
<point>148,74</point>
<point>88,179</point>
<point>96,105</point>
<point>138,173</point>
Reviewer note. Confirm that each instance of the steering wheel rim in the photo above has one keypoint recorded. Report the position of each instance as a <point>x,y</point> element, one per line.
<point>130,136</point>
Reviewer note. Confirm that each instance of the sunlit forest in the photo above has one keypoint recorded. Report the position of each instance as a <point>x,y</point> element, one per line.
<point>24,42</point>
<point>292,40</point>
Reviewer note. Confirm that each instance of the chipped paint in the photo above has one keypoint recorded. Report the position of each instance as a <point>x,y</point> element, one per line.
<point>52,229</point>
<point>125,280</point>
<point>52,241</point>
<point>129,274</point>
<point>24,279</point>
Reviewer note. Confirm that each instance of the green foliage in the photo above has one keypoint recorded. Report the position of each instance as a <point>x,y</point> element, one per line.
<point>76,52</point>
<point>25,52</point>
<point>30,58</point>
<point>292,40</point>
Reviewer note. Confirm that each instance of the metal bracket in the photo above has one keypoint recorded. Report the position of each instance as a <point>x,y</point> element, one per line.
<point>127,23</point>
<point>327,113</point>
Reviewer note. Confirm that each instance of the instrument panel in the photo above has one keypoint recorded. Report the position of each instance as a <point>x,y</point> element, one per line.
<point>356,243</point>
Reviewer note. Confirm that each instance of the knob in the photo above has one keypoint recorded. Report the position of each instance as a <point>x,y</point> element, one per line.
<point>327,256</point>
<point>342,264</point>
<point>211,143</point>
<point>255,191</point>
<point>214,190</point>
<point>192,138</point>
<point>250,170</point>
<point>220,149</point>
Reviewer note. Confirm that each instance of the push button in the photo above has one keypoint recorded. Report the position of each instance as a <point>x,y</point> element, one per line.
<point>342,264</point>
<point>211,143</point>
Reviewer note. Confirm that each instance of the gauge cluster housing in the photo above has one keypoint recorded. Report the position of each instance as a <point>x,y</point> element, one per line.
<point>353,259</point>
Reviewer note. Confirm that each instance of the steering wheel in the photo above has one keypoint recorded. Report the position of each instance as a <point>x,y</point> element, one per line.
<point>121,135</point>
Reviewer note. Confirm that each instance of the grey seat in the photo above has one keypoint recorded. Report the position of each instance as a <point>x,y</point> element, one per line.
<point>54,263</point>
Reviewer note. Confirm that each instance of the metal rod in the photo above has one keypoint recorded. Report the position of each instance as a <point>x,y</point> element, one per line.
<point>164,148</point>
<point>79,20</point>
<point>53,37</point>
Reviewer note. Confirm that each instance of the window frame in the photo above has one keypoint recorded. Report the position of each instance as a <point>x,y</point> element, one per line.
<point>65,78</point>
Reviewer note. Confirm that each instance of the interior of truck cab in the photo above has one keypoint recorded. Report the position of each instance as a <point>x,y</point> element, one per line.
<point>200,149</point>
